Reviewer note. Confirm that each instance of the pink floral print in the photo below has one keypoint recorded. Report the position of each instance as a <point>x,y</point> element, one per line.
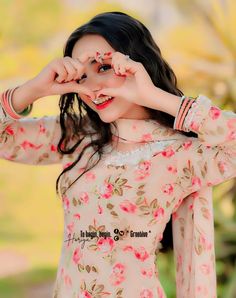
<point>115,214</point>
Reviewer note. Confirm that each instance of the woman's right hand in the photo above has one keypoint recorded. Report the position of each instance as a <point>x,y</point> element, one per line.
<point>60,76</point>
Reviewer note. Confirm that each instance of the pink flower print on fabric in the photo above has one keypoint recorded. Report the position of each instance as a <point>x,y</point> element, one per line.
<point>147,137</point>
<point>77,215</point>
<point>141,254</point>
<point>187,145</point>
<point>9,130</point>
<point>85,294</point>
<point>66,203</point>
<point>214,113</point>
<point>231,123</point>
<point>168,152</point>
<point>206,245</point>
<point>53,148</point>
<point>106,190</point>
<point>70,227</point>
<point>147,272</point>
<point>67,280</point>
<point>159,213</point>
<point>77,255</point>
<point>223,166</point>
<point>143,170</point>
<point>84,198</point>
<point>128,248</point>
<point>206,269</point>
<point>41,129</point>
<point>90,176</point>
<point>160,292</point>
<point>100,209</point>
<point>167,189</point>
<point>67,165</point>
<point>128,207</point>
<point>196,181</point>
<point>105,245</point>
<point>118,274</point>
<point>172,169</point>
<point>25,145</point>
<point>146,293</point>
<point>203,291</point>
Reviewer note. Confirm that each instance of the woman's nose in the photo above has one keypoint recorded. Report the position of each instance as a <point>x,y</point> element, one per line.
<point>95,85</point>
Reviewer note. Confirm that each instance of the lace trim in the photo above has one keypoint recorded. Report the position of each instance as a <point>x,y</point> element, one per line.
<point>197,113</point>
<point>133,157</point>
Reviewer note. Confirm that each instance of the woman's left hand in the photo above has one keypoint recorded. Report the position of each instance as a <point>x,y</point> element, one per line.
<point>137,85</point>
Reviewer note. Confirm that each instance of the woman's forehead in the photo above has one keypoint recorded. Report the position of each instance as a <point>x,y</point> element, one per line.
<point>90,43</point>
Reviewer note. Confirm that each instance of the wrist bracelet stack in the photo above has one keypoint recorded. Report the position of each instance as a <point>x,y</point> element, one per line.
<point>185,105</point>
<point>6,103</point>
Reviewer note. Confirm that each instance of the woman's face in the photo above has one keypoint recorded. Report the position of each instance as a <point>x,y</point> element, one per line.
<point>98,77</point>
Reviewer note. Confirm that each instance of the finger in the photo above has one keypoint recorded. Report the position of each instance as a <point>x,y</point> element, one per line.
<point>84,57</point>
<point>122,68</point>
<point>108,92</point>
<point>71,70</point>
<point>60,72</point>
<point>79,68</point>
<point>115,65</point>
<point>73,87</point>
<point>99,57</point>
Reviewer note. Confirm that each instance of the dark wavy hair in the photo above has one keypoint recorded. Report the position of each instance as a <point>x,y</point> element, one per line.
<point>128,36</point>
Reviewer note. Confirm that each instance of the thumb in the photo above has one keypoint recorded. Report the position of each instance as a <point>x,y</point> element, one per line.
<point>108,92</point>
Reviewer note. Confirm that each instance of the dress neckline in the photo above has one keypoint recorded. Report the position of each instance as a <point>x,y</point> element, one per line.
<point>141,131</point>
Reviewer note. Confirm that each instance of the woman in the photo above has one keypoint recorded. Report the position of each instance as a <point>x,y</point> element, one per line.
<point>136,153</point>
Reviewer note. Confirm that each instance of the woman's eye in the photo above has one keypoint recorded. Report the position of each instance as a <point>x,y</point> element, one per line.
<point>104,66</point>
<point>83,77</point>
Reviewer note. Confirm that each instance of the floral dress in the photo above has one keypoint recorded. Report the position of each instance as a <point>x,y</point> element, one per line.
<point>115,214</point>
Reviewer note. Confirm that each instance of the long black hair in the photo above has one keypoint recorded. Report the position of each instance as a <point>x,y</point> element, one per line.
<point>128,36</point>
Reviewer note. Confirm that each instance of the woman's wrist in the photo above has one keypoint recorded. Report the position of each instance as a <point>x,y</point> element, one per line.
<point>164,101</point>
<point>25,95</point>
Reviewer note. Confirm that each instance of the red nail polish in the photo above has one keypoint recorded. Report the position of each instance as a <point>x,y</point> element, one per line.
<point>108,53</point>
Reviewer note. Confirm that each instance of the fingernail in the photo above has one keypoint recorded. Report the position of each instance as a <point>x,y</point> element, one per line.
<point>108,53</point>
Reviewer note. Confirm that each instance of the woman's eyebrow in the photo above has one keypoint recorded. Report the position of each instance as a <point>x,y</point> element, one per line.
<point>93,62</point>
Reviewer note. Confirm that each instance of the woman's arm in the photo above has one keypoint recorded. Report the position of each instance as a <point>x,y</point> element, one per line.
<point>29,140</point>
<point>34,140</point>
<point>209,159</point>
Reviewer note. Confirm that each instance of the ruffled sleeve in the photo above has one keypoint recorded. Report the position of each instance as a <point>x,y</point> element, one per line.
<point>30,140</point>
<point>203,162</point>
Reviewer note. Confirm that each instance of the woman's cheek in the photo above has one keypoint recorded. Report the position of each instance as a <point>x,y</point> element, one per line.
<point>114,80</point>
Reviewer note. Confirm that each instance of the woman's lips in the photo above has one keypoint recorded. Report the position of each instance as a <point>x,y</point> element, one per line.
<point>104,105</point>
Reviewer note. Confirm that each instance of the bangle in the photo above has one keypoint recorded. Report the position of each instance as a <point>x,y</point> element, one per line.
<point>6,101</point>
<point>186,103</point>
<point>189,102</point>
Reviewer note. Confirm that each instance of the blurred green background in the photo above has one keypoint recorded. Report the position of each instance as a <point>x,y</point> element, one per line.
<point>196,37</point>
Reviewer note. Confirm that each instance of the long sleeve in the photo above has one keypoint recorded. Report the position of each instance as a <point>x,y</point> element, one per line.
<point>30,140</point>
<point>202,163</point>
<point>211,158</point>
